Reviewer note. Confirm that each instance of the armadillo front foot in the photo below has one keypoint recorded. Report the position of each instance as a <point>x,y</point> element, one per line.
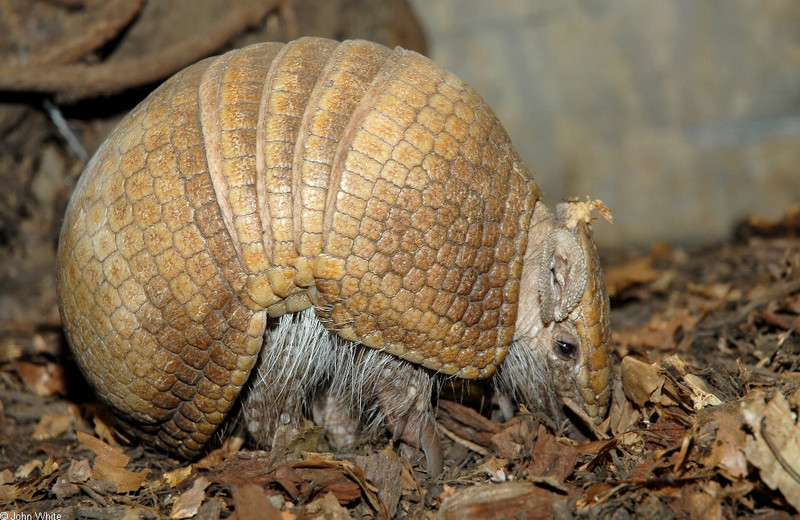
<point>403,392</point>
<point>420,432</point>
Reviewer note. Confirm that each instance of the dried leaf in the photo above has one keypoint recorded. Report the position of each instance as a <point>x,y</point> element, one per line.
<point>313,476</point>
<point>134,513</point>
<point>289,442</point>
<point>496,469</point>
<point>716,291</point>
<point>774,446</point>
<point>229,448</point>
<point>659,333</point>
<point>553,459</point>
<point>52,425</point>
<point>112,456</point>
<point>109,465</point>
<point>6,477</point>
<point>28,490</point>
<point>50,466</point>
<point>622,416</point>
<point>176,476</point>
<point>410,485</point>
<point>25,470</point>
<point>634,272</point>
<point>189,502</point>
<point>126,481</point>
<point>703,500</point>
<point>251,501</point>
<point>685,387</point>
<point>63,488</point>
<point>595,495</point>
<point>43,380</point>
<point>326,508</point>
<point>466,423</point>
<point>726,440</point>
<point>599,449</point>
<point>384,469</point>
<point>306,440</point>
<point>9,493</point>
<point>104,427</point>
<point>317,469</point>
<point>10,350</point>
<point>641,381</point>
<point>473,446</point>
<point>79,471</point>
<point>668,384</point>
<point>516,437</point>
<point>701,394</point>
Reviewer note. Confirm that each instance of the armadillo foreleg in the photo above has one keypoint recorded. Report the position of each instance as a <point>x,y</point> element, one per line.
<point>403,392</point>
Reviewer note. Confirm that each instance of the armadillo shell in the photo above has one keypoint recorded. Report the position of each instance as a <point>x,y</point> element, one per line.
<point>366,181</point>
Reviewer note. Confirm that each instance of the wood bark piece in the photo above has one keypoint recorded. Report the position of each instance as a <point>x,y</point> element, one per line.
<point>78,81</point>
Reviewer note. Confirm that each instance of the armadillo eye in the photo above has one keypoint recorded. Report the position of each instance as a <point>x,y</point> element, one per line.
<point>565,350</point>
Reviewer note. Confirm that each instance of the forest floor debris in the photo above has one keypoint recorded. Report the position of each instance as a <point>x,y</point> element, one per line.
<point>703,423</point>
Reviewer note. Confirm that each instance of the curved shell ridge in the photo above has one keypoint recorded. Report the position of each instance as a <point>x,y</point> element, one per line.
<point>148,276</point>
<point>230,99</point>
<point>289,82</point>
<point>424,230</point>
<point>344,203</point>
<point>331,111</point>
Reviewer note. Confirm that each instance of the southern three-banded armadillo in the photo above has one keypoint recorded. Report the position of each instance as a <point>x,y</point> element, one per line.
<point>351,220</point>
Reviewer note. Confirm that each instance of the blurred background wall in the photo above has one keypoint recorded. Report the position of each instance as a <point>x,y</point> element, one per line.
<point>682,116</point>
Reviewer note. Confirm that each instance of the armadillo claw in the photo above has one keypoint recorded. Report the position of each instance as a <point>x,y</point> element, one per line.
<point>419,431</point>
<point>432,447</point>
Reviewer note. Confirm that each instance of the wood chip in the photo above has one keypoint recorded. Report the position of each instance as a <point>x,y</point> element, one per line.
<point>189,502</point>
<point>498,501</point>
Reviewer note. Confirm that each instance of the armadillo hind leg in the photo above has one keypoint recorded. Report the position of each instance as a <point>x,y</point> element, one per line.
<point>297,358</point>
<point>305,368</point>
<point>374,388</point>
<point>370,387</point>
<point>339,416</point>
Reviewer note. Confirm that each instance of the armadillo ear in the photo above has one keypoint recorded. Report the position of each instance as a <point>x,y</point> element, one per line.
<point>563,274</point>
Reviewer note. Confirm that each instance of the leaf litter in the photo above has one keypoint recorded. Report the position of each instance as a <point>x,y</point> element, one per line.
<point>703,422</point>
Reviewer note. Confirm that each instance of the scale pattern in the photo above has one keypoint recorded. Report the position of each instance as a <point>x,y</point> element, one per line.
<point>368,182</point>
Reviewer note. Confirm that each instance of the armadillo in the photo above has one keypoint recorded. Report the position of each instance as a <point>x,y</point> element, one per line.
<point>322,229</point>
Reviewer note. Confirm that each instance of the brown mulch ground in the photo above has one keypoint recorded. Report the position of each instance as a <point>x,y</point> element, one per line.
<point>704,422</point>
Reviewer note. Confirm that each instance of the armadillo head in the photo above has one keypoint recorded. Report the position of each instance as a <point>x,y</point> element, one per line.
<point>559,356</point>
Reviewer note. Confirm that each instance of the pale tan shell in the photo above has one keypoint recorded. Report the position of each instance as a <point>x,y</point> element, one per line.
<point>366,181</point>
